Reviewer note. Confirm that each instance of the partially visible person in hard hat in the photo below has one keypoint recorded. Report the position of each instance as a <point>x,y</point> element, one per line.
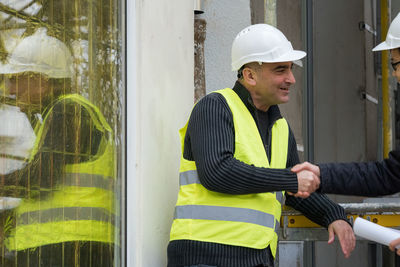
<point>366,178</point>
<point>237,149</point>
<point>66,215</point>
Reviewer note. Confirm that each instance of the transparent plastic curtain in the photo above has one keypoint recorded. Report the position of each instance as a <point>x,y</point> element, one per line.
<point>91,29</point>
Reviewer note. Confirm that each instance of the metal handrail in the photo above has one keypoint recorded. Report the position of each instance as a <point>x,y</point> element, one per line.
<point>355,208</point>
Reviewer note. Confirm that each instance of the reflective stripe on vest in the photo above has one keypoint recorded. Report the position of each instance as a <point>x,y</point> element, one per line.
<point>82,208</point>
<point>198,212</point>
<point>242,220</point>
<point>89,180</point>
<point>66,214</point>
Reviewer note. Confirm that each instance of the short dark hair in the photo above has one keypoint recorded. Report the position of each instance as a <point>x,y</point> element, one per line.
<point>240,72</point>
<point>251,65</point>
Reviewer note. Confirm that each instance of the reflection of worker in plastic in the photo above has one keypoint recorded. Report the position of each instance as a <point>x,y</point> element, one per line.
<point>368,178</point>
<point>66,216</point>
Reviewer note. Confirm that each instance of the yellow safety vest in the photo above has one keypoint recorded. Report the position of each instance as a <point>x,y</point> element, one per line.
<point>82,208</point>
<point>249,220</point>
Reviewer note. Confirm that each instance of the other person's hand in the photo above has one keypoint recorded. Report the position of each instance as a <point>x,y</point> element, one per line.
<point>306,166</point>
<point>345,235</point>
<point>394,244</point>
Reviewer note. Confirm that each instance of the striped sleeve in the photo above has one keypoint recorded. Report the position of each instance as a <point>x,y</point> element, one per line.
<point>210,141</point>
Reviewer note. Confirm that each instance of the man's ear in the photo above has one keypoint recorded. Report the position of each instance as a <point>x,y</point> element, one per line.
<point>249,76</point>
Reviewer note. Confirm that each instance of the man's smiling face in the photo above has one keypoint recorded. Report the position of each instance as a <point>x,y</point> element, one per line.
<point>273,82</point>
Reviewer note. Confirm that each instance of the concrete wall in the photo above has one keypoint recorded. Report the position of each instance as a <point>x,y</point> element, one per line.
<point>225,18</point>
<point>373,127</point>
<point>289,21</point>
<point>339,80</point>
<point>160,97</point>
<point>395,5</point>
<point>339,77</point>
<point>340,111</point>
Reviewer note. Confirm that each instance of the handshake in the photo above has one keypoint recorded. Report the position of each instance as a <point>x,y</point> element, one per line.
<point>307,178</point>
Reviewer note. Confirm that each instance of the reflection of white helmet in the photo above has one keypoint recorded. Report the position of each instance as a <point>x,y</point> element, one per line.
<point>40,53</point>
<point>262,43</point>
<point>393,36</point>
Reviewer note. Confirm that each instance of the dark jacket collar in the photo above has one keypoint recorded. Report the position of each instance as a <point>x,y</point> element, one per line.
<point>273,111</point>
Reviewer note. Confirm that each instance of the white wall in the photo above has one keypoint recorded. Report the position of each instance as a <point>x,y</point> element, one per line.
<point>160,97</point>
<point>225,18</point>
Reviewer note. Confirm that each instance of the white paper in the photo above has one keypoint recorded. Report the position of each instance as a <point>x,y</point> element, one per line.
<point>375,232</point>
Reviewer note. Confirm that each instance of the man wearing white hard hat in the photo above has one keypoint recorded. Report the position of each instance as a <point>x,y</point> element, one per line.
<point>66,215</point>
<point>367,178</point>
<point>237,149</point>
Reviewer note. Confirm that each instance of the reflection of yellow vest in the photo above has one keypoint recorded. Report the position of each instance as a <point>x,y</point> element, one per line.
<point>82,208</point>
<point>240,220</point>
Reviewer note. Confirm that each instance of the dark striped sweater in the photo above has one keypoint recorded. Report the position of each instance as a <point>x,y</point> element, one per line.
<point>210,141</point>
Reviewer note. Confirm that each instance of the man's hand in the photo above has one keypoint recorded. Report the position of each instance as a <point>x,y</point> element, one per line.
<point>308,182</point>
<point>345,234</point>
<point>308,179</point>
<point>394,244</point>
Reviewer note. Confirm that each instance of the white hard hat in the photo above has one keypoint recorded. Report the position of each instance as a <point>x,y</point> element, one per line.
<point>40,53</point>
<point>392,38</point>
<point>262,43</point>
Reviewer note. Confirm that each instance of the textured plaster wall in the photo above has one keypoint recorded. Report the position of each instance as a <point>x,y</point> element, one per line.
<point>225,18</point>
